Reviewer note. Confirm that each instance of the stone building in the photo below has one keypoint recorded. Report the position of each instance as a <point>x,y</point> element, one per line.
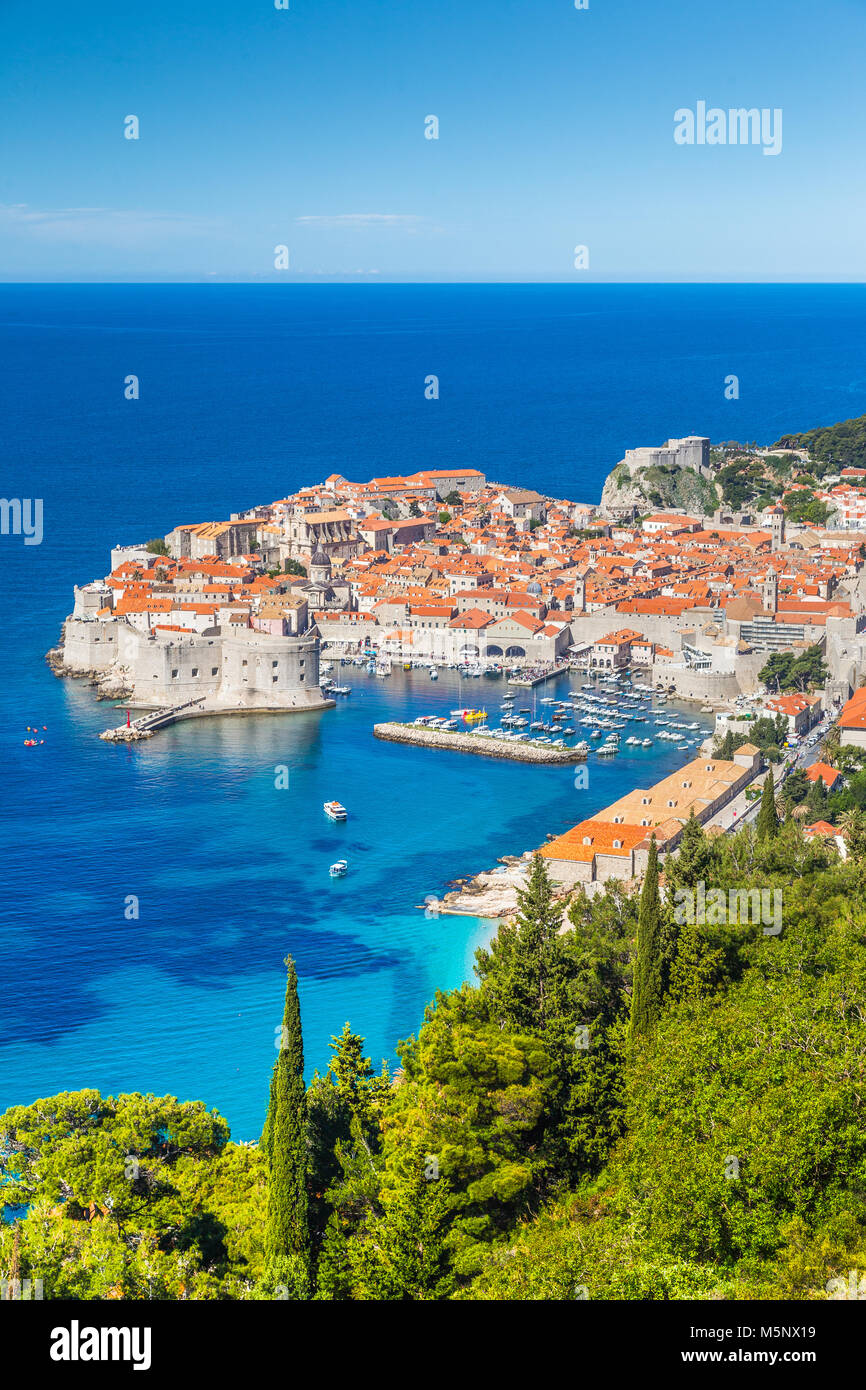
<point>615,843</point>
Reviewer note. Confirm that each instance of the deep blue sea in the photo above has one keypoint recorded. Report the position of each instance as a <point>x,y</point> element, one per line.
<point>247,392</point>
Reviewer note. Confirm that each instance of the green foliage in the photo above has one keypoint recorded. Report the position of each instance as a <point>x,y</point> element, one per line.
<point>837,446</point>
<point>803,506</point>
<point>654,953</point>
<point>765,733</point>
<point>767,824</point>
<point>284,1142</point>
<point>629,1104</point>
<point>131,1197</point>
<point>786,672</point>
<point>157,546</point>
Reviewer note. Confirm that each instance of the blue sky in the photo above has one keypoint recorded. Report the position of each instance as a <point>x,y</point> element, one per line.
<point>305,127</point>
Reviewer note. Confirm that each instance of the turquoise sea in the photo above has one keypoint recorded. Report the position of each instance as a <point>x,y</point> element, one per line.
<point>247,393</point>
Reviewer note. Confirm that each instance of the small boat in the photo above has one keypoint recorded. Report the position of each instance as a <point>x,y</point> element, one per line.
<point>341,690</point>
<point>434,674</point>
<point>682,748</point>
<point>340,869</point>
<point>334,811</point>
<point>647,743</point>
<point>607,750</point>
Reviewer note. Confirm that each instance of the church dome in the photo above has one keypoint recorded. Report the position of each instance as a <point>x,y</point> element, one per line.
<point>320,560</point>
<point>534,588</point>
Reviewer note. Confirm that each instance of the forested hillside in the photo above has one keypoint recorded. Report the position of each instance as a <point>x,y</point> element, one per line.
<point>641,1106</point>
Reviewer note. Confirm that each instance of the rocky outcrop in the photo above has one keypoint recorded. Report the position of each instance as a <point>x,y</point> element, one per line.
<point>657,489</point>
<point>124,735</point>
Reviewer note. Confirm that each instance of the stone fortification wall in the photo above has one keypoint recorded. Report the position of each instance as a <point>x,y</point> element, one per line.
<point>89,645</point>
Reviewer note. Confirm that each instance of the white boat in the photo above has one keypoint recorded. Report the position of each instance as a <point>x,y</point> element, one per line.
<point>647,743</point>
<point>582,747</point>
<point>340,869</point>
<point>607,750</point>
<point>434,674</point>
<point>334,811</point>
<point>341,690</point>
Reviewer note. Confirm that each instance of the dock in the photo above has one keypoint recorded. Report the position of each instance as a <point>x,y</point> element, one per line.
<point>527,682</point>
<point>147,724</point>
<point>485,746</point>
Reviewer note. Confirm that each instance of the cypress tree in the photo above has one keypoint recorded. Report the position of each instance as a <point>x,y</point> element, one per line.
<point>649,984</point>
<point>287,1236</point>
<point>768,821</point>
<point>696,856</point>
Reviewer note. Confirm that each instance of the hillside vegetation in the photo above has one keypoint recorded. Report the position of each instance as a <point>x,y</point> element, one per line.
<point>639,1107</point>
<point>843,444</point>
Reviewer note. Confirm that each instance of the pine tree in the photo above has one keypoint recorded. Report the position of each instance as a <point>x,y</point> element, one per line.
<point>287,1236</point>
<point>649,983</point>
<point>403,1254</point>
<point>525,974</point>
<point>695,969</point>
<point>768,821</point>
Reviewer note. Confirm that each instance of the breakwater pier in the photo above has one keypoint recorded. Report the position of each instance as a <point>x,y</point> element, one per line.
<point>487,745</point>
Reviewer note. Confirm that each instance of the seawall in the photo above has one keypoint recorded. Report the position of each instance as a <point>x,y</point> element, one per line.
<point>472,743</point>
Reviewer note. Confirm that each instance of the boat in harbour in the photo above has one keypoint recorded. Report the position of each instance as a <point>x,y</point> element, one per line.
<point>335,811</point>
<point>339,869</point>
